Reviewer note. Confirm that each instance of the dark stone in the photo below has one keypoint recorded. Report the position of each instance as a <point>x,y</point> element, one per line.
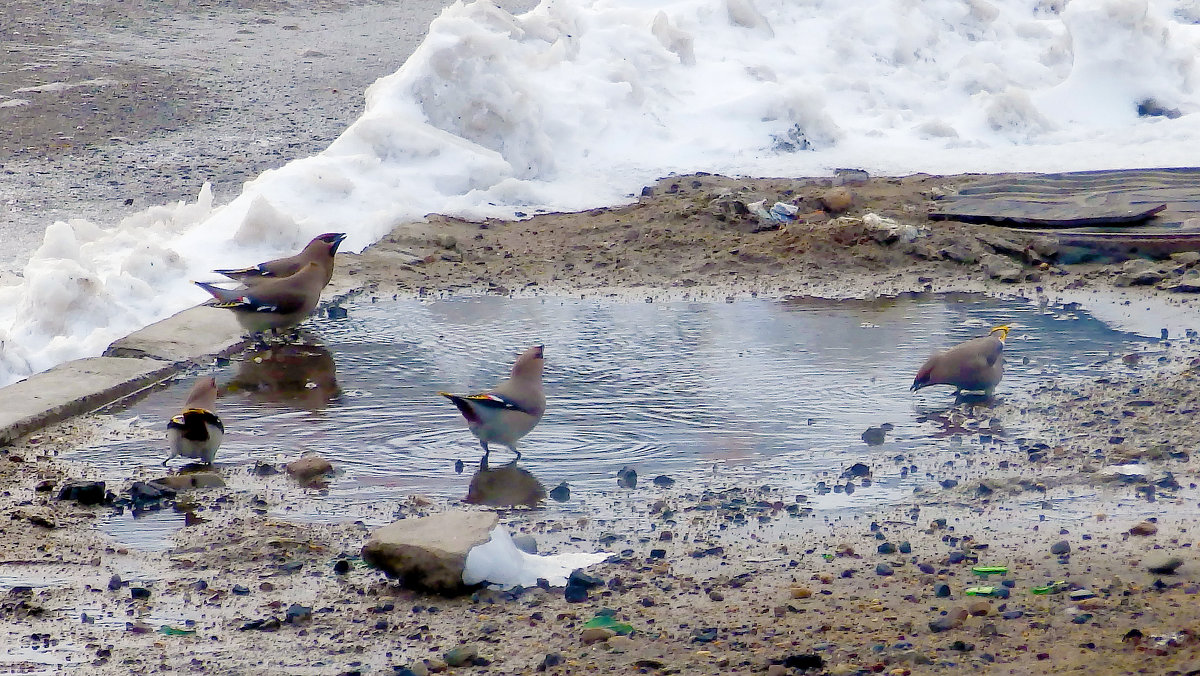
<point>663,481</point>
<point>858,470</point>
<point>146,492</point>
<point>1152,108</point>
<point>458,466</point>
<point>264,469</point>
<point>560,493</point>
<point>803,662</point>
<point>627,478</point>
<point>139,592</point>
<point>269,624</point>
<point>83,492</point>
<point>874,436</point>
<point>1061,547</point>
<point>941,591</point>
<point>581,579</point>
<point>905,547</point>
<point>550,660</point>
<point>948,483</point>
<point>337,312</point>
<point>883,569</point>
<point>114,582</point>
<point>886,548</point>
<point>341,566</point>
<point>658,553</point>
<point>575,593</point>
<point>241,590</point>
<point>706,635</point>
<point>926,568</point>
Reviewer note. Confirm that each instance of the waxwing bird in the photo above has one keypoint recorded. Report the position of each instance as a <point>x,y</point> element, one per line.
<point>273,303</point>
<point>197,431</point>
<point>507,412</point>
<point>976,365</point>
<point>320,251</point>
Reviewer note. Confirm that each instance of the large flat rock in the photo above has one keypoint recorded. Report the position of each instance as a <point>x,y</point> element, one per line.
<point>73,388</point>
<point>197,332</point>
<point>429,552</point>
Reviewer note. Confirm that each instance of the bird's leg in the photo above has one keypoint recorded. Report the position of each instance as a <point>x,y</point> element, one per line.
<point>483,462</point>
<point>514,450</point>
<point>166,461</point>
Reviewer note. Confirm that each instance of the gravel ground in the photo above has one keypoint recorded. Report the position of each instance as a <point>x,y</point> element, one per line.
<point>712,575</point>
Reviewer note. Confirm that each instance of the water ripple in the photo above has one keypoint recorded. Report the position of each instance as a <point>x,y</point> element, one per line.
<point>781,390</point>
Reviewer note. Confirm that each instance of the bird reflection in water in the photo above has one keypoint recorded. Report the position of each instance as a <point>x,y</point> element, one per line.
<point>303,376</point>
<point>504,486</point>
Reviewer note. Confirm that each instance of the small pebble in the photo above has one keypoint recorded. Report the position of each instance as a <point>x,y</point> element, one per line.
<point>1166,566</point>
<point>462,655</point>
<point>1144,528</point>
<point>594,635</point>
<point>801,592</point>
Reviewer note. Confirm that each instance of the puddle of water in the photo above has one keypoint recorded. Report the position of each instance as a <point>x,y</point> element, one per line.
<point>773,391</point>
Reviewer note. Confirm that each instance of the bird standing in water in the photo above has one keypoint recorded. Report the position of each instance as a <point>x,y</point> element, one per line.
<point>320,251</point>
<point>273,303</point>
<point>507,412</point>
<point>197,432</point>
<point>976,365</point>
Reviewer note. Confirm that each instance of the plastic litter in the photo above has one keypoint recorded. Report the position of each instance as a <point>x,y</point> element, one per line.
<point>1052,588</point>
<point>984,571</point>
<point>780,212</point>
<point>607,621</point>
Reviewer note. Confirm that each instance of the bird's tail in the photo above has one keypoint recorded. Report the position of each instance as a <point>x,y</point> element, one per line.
<point>222,295</point>
<point>241,273</point>
<point>464,406</point>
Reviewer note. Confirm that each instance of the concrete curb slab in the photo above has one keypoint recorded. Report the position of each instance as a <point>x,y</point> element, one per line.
<point>200,331</point>
<point>74,388</point>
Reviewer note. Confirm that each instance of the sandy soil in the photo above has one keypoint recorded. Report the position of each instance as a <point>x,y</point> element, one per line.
<point>747,579</point>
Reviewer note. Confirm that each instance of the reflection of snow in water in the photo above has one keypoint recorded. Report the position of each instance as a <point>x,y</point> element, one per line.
<point>765,391</point>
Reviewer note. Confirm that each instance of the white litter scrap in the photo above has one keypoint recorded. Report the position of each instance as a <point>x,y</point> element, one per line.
<point>499,562</point>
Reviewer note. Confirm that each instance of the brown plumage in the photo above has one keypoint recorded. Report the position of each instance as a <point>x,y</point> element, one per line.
<point>511,409</point>
<point>273,303</point>
<point>976,365</point>
<point>320,251</point>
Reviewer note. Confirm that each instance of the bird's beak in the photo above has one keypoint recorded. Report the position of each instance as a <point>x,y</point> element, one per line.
<point>915,386</point>
<point>538,352</point>
<point>338,238</point>
<point>1003,329</point>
